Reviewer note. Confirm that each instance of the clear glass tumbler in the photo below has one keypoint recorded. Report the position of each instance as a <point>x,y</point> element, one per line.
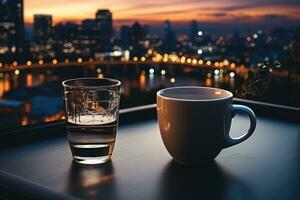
<point>92,111</point>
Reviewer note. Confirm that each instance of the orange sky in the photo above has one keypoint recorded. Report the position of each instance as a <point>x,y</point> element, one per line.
<point>125,11</point>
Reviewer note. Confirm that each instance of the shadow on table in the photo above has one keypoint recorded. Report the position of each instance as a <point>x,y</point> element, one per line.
<point>92,182</point>
<point>207,181</point>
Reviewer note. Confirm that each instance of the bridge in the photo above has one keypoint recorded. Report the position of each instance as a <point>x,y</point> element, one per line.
<point>193,63</point>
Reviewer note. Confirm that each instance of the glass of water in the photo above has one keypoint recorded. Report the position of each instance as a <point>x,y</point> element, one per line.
<point>91,110</point>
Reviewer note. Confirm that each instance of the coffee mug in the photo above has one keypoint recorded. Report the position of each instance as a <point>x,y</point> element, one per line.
<point>194,122</point>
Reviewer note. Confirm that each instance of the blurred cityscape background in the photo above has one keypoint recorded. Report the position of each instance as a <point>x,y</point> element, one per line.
<point>249,48</point>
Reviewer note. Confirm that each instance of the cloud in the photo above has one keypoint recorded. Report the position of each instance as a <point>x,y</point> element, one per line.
<point>238,6</point>
<point>278,19</point>
<point>164,12</point>
<point>143,6</point>
<point>274,17</point>
<point>217,14</point>
<point>120,22</point>
<point>226,16</point>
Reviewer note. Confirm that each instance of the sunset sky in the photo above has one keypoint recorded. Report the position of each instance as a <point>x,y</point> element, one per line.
<point>155,11</point>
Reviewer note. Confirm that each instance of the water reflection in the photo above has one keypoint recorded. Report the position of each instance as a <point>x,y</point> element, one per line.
<point>208,82</point>
<point>143,80</point>
<point>34,96</point>
<point>5,85</point>
<point>29,80</point>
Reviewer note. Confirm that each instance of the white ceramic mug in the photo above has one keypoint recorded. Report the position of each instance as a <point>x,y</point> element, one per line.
<point>194,122</point>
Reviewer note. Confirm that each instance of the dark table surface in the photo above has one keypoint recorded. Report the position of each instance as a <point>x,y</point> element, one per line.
<point>266,166</point>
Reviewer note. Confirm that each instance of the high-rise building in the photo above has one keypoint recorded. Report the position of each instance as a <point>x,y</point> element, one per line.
<point>42,28</point>
<point>169,41</point>
<point>124,36</point>
<point>104,24</point>
<point>89,30</point>
<point>42,46</point>
<point>90,38</point>
<point>167,26</point>
<point>193,31</point>
<point>66,39</point>
<point>136,34</point>
<point>11,28</point>
<point>66,32</point>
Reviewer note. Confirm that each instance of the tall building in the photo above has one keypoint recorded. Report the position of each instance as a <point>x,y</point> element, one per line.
<point>136,34</point>
<point>193,31</point>
<point>167,26</point>
<point>42,28</point>
<point>90,38</point>
<point>169,41</point>
<point>124,36</point>
<point>89,30</point>
<point>67,41</point>
<point>11,28</point>
<point>104,24</point>
<point>65,32</point>
<point>42,46</point>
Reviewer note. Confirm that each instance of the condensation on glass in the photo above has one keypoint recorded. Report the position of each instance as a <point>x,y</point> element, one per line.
<point>91,111</point>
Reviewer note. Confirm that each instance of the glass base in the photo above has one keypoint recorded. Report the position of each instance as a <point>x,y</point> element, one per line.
<point>91,160</point>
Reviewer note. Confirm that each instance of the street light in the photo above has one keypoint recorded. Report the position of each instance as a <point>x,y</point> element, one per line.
<point>79,60</point>
<point>151,71</point>
<point>216,72</point>
<point>28,63</point>
<point>15,63</point>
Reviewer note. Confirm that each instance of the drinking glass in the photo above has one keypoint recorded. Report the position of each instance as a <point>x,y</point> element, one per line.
<point>91,112</point>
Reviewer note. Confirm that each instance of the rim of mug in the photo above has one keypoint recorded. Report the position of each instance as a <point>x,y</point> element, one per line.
<point>230,95</point>
<point>114,82</point>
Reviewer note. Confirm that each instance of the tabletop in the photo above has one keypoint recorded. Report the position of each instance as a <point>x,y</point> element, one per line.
<point>266,166</point>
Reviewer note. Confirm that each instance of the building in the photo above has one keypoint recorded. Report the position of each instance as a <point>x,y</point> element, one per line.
<point>66,32</point>
<point>67,42</point>
<point>169,41</point>
<point>42,46</point>
<point>167,26</point>
<point>194,31</point>
<point>124,36</point>
<point>136,34</point>
<point>90,38</point>
<point>42,28</point>
<point>105,26</point>
<point>11,29</point>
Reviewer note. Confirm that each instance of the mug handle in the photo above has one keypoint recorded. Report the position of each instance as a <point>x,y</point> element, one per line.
<point>235,108</point>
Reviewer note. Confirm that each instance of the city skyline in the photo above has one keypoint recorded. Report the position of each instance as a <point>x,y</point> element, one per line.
<point>94,37</point>
<point>181,11</point>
